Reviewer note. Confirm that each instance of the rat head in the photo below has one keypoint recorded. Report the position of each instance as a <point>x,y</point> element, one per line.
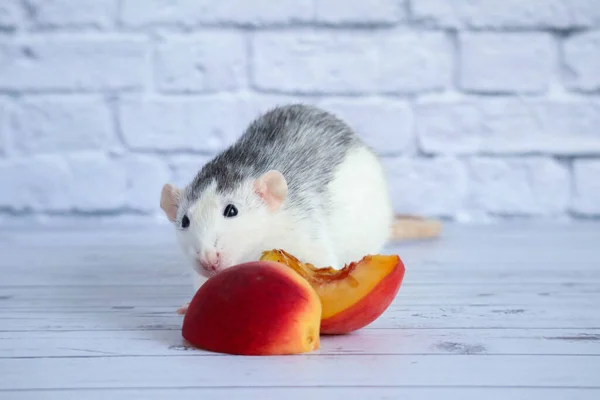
<point>221,228</point>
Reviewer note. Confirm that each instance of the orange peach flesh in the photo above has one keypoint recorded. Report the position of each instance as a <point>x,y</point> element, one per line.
<point>339,290</point>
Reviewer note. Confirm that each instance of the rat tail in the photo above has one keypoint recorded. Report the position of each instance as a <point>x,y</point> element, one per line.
<point>414,227</point>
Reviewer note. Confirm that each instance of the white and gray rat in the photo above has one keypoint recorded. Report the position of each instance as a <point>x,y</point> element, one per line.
<point>298,179</point>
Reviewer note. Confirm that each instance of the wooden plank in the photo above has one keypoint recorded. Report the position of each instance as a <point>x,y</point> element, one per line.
<point>301,370</point>
<point>431,262</point>
<point>300,393</point>
<point>365,341</point>
<point>170,256</point>
<point>112,254</point>
<point>396,316</point>
<point>91,232</point>
<point>94,309</point>
<point>138,272</point>
<point>26,298</point>
<point>432,290</point>
<point>143,304</point>
<point>502,253</point>
<point>153,257</point>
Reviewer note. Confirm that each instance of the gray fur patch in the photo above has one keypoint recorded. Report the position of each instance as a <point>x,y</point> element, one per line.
<point>303,142</point>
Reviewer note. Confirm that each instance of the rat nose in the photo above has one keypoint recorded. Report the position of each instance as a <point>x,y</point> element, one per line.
<point>212,257</point>
<point>209,260</point>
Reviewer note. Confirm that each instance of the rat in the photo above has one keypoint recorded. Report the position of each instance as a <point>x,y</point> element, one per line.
<point>299,178</point>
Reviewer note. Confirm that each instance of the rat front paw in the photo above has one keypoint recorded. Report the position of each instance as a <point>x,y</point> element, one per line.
<point>183,309</point>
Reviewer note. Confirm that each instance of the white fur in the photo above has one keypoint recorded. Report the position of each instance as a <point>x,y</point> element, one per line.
<point>360,222</point>
<point>198,280</point>
<point>362,209</point>
<point>233,238</point>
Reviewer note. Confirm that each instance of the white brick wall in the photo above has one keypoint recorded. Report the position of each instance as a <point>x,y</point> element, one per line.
<point>582,61</point>
<point>586,199</point>
<point>64,62</point>
<point>198,13</point>
<point>54,124</point>
<point>73,14</point>
<point>505,125</point>
<point>493,62</point>
<point>519,186</point>
<point>480,108</point>
<point>508,14</point>
<point>3,125</point>
<point>351,62</point>
<point>211,62</point>
<point>10,14</point>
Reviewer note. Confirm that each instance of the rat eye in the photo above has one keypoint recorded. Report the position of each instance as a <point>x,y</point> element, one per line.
<point>185,221</point>
<point>230,211</point>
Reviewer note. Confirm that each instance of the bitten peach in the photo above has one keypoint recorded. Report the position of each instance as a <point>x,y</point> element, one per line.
<point>354,296</point>
<point>254,308</point>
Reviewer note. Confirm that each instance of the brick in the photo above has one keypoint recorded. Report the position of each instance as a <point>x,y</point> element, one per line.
<point>586,196</point>
<point>314,62</point>
<point>11,14</point>
<point>204,63</point>
<point>438,12</point>
<point>360,12</point>
<point>3,126</point>
<point>582,61</point>
<point>72,63</point>
<point>415,62</point>
<point>426,186</point>
<point>206,124</point>
<point>508,14</point>
<point>345,63</point>
<point>192,13</point>
<point>506,62</point>
<point>145,176</point>
<point>259,103</point>
<point>448,128</point>
<point>97,183</point>
<point>87,182</point>
<point>184,168</point>
<point>519,186</point>
<point>509,126</point>
<point>100,14</point>
<point>384,125</point>
<point>66,123</point>
<point>35,183</point>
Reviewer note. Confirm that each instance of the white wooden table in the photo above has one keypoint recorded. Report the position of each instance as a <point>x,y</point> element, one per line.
<point>494,312</point>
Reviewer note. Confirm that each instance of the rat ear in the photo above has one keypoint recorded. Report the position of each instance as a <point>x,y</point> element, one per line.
<point>272,188</point>
<point>169,200</point>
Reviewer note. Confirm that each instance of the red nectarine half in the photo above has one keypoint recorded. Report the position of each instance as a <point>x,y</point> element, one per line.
<point>351,297</point>
<point>254,308</point>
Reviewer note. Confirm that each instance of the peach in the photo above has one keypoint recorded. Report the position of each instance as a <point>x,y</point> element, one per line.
<point>353,296</point>
<point>254,308</point>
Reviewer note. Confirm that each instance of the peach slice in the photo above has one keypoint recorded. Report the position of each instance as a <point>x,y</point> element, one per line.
<point>254,308</point>
<point>353,296</point>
